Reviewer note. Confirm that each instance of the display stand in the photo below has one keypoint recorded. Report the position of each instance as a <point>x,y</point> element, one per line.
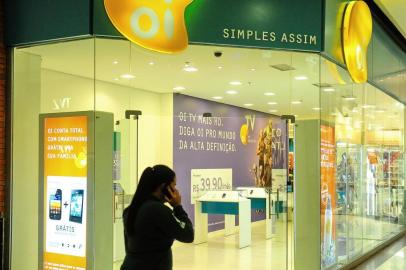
<point>230,204</point>
<point>261,200</point>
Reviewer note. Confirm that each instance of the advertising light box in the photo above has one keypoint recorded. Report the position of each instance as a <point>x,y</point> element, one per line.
<point>65,176</point>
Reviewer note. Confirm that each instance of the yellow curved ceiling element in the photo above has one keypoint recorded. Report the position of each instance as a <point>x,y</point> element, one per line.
<point>357,32</point>
<point>158,25</point>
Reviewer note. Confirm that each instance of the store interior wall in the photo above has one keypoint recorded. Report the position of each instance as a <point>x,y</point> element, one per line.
<point>65,92</point>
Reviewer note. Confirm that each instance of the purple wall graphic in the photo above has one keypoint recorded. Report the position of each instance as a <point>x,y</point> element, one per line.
<point>210,143</point>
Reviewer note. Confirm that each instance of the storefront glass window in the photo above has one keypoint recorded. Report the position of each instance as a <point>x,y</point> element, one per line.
<point>54,78</point>
<point>363,190</point>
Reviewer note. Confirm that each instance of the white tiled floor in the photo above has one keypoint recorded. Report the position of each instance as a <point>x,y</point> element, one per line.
<point>221,253</point>
<point>397,262</point>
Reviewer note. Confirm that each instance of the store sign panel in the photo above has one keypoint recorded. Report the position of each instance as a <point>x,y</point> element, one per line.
<point>65,192</point>
<point>169,26</point>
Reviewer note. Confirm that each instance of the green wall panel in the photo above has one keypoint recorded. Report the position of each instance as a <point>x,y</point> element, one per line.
<point>266,22</point>
<point>29,21</point>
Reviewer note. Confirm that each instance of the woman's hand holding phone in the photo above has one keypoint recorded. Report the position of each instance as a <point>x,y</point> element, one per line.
<point>174,198</point>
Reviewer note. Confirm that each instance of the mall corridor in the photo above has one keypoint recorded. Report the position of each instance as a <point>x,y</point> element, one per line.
<point>392,257</point>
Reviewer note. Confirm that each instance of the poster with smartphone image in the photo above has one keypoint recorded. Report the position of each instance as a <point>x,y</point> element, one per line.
<point>65,176</point>
<point>66,225</point>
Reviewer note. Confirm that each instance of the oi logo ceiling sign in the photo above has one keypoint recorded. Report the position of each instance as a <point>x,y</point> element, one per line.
<point>157,25</point>
<point>356,36</point>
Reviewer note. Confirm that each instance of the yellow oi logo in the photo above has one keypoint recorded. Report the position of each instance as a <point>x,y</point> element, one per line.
<point>157,25</point>
<point>357,32</point>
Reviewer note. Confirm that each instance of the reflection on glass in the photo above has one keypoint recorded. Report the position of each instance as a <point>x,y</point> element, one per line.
<point>369,173</point>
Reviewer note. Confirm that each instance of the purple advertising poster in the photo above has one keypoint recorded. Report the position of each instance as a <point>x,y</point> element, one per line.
<point>247,142</point>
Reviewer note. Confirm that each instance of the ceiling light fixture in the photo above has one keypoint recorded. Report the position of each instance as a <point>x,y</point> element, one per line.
<point>116,79</point>
<point>217,97</point>
<point>236,83</point>
<point>272,103</point>
<point>269,94</point>
<point>220,67</point>
<point>368,106</point>
<point>231,92</point>
<point>189,68</point>
<point>115,62</point>
<point>151,63</point>
<point>296,102</point>
<point>301,78</point>
<point>127,76</point>
<point>252,69</point>
<point>380,110</point>
<point>328,90</point>
<point>273,111</point>
<point>248,104</point>
<point>179,88</point>
<point>316,109</point>
<point>349,98</point>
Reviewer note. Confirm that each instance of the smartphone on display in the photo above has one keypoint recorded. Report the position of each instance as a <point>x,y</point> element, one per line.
<point>55,205</point>
<point>76,206</point>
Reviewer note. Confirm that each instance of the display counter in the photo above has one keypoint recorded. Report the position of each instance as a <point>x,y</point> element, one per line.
<point>229,204</point>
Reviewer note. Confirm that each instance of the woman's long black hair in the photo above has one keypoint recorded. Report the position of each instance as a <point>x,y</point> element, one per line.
<point>150,180</point>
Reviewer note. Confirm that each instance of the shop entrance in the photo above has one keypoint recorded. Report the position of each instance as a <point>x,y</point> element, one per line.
<point>224,118</point>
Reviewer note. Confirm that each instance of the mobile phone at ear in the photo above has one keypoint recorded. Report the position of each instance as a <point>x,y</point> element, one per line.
<point>165,191</point>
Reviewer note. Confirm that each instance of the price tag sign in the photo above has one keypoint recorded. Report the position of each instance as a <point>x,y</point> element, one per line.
<point>204,180</point>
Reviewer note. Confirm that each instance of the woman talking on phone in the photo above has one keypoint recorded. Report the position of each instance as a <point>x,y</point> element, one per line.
<point>150,227</point>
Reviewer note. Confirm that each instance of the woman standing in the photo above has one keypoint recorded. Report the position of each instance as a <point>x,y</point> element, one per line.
<point>150,227</point>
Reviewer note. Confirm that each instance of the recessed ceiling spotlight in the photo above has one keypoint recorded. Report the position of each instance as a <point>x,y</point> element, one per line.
<point>301,78</point>
<point>190,69</point>
<point>328,90</point>
<point>179,88</point>
<point>368,106</point>
<point>269,94</point>
<point>273,111</point>
<point>220,67</point>
<point>236,83</point>
<point>252,69</point>
<point>349,98</point>
<point>272,103</point>
<point>296,102</point>
<point>127,76</point>
<point>115,62</point>
<point>151,63</point>
<point>116,79</point>
<point>248,104</point>
<point>217,97</point>
<point>231,92</point>
<point>380,110</point>
<point>316,109</point>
